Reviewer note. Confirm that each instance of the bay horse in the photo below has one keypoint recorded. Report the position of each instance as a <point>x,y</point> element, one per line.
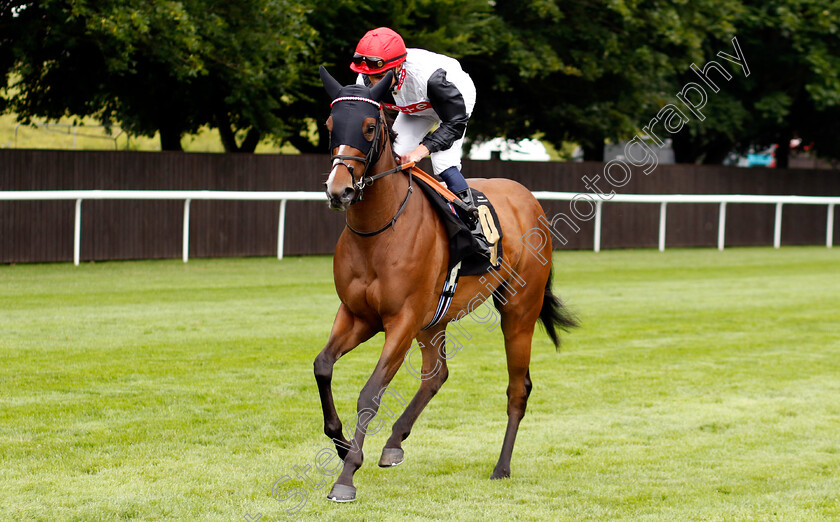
<point>390,266</point>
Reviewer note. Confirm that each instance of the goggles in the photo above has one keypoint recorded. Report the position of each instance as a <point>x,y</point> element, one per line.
<point>373,62</point>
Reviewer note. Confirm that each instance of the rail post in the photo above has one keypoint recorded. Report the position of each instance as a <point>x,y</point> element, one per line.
<point>662,219</point>
<point>77,233</point>
<point>185,239</point>
<point>597,246</point>
<point>281,229</point>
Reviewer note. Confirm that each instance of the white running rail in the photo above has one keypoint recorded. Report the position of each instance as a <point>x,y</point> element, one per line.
<point>283,197</point>
<point>721,199</point>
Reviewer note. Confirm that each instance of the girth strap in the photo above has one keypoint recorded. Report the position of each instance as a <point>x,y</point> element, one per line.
<point>446,296</point>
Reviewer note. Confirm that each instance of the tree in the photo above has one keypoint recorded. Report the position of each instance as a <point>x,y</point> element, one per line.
<point>159,65</point>
<point>793,90</point>
<point>567,69</point>
<point>576,70</point>
<point>586,70</point>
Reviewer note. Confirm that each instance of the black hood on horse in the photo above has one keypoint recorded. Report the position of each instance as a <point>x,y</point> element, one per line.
<point>357,103</point>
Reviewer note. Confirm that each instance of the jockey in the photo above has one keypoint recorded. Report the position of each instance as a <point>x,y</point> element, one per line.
<point>428,89</point>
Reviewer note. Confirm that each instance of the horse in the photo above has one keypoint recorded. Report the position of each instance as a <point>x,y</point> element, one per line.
<point>390,265</point>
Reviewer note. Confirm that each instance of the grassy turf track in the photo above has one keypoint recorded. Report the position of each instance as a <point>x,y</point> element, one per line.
<point>703,385</point>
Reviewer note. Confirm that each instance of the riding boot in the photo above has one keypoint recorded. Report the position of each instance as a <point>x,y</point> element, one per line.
<point>472,221</point>
<point>466,206</point>
<point>458,185</point>
<point>471,212</point>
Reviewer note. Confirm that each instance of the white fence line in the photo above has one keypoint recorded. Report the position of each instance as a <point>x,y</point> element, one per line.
<point>721,199</point>
<point>283,197</point>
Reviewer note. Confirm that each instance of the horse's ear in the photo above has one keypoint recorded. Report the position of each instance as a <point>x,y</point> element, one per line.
<point>330,84</point>
<point>377,92</point>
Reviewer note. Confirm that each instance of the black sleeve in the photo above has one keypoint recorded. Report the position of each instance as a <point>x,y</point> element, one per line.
<point>448,103</point>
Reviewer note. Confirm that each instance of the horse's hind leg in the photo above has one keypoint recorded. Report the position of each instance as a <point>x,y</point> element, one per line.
<point>432,375</point>
<point>348,332</point>
<point>518,320</point>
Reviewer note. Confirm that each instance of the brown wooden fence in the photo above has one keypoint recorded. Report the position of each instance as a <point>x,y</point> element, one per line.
<point>43,230</point>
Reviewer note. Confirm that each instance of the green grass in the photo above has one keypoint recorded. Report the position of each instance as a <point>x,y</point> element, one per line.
<point>703,385</point>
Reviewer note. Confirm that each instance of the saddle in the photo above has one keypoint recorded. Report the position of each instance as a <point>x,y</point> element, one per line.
<point>467,247</point>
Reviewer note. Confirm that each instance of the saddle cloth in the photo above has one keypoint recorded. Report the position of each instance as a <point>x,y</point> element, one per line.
<point>465,252</point>
<point>464,247</point>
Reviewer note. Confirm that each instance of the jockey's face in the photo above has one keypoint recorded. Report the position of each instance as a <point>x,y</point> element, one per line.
<point>376,78</point>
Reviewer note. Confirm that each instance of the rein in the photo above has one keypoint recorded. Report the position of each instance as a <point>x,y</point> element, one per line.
<point>399,212</point>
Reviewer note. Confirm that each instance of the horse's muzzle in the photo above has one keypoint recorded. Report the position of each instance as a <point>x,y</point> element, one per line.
<point>343,200</point>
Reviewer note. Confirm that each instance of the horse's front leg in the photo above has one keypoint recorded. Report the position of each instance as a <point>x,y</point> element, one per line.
<point>347,333</point>
<point>397,343</point>
<point>432,375</point>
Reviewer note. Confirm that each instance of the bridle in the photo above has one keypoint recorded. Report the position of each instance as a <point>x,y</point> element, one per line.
<point>370,159</point>
<point>372,156</point>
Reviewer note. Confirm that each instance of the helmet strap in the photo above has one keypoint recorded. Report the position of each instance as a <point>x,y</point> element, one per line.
<point>401,79</point>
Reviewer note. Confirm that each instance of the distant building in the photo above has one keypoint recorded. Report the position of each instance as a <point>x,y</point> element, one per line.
<point>615,151</point>
<point>501,148</point>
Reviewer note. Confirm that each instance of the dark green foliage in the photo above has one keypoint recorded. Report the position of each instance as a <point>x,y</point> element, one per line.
<point>576,70</point>
<point>159,66</point>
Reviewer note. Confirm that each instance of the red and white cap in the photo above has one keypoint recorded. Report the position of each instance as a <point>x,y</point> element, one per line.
<point>379,49</point>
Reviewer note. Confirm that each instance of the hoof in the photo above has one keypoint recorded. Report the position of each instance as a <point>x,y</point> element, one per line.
<point>342,493</point>
<point>497,474</point>
<point>391,457</point>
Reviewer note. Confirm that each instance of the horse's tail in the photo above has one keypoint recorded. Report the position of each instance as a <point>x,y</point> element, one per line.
<point>554,313</point>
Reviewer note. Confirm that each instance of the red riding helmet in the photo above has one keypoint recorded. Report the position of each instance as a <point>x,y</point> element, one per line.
<point>379,50</point>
